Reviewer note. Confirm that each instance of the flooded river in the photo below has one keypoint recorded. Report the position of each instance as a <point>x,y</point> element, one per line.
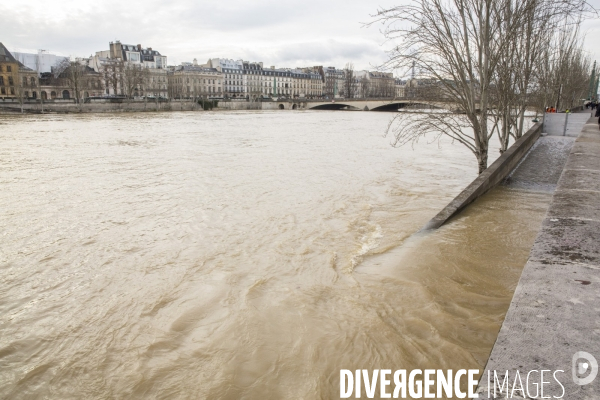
<point>247,255</point>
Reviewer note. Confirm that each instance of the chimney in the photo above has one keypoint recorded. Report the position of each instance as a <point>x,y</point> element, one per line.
<point>139,47</point>
<point>195,61</point>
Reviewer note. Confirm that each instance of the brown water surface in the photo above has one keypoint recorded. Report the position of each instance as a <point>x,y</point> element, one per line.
<point>241,255</point>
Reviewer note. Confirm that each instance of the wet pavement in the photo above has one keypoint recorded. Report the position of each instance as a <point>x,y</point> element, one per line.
<point>543,165</point>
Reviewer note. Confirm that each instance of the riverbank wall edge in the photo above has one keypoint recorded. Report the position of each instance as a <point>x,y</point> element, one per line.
<point>489,178</point>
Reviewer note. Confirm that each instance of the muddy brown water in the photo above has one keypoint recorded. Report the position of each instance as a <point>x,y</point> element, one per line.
<point>241,255</point>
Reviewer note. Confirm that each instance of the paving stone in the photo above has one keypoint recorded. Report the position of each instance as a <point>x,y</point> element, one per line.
<point>583,160</point>
<point>580,179</point>
<point>565,240</point>
<point>575,204</point>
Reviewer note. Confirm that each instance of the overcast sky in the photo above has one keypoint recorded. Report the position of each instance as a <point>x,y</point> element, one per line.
<point>281,33</point>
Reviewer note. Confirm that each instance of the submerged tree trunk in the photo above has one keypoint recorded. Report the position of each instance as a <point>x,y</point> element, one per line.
<point>504,133</point>
<point>482,159</point>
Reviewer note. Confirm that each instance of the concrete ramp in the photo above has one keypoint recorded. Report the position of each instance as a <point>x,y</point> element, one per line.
<point>541,168</point>
<point>562,124</point>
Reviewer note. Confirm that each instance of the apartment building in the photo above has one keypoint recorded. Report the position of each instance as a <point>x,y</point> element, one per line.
<point>16,80</point>
<point>131,70</point>
<point>194,81</point>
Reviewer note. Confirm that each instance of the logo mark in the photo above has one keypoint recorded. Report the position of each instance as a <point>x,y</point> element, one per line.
<point>582,363</point>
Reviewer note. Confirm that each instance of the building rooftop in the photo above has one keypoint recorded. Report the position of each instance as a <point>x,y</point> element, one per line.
<point>5,55</point>
<point>195,68</point>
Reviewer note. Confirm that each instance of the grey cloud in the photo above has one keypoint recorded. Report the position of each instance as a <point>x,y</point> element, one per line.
<point>240,16</point>
<point>328,50</point>
<point>279,32</point>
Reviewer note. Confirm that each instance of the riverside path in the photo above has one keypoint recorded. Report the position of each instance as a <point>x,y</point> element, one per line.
<point>551,334</point>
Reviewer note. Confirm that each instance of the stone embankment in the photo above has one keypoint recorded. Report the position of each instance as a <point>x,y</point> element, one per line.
<point>555,310</point>
<point>491,177</point>
<point>68,106</point>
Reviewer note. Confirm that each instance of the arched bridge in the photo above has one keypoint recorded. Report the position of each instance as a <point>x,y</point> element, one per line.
<point>363,104</point>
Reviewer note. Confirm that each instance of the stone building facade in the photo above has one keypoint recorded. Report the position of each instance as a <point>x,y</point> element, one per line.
<point>306,83</point>
<point>11,75</point>
<point>194,81</point>
<point>332,81</point>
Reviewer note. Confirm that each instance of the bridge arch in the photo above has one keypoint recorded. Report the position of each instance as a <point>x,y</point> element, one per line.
<point>335,106</point>
<point>404,105</point>
<point>390,105</point>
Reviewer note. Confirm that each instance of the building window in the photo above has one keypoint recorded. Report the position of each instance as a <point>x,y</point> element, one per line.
<point>1,81</point>
<point>2,90</point>
<point>10,81</point>
<point>8,68</point>
<point>12,91</point>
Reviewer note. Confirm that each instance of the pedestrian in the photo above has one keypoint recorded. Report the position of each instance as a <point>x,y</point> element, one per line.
<point>598,115</point>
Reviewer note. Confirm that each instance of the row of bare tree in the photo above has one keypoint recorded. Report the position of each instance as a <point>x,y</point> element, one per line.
<point>494,59</point>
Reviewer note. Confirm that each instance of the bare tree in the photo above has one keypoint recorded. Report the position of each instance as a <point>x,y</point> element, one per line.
<point>20,85</point>
<point>144,84</point>
<point>153,86</point>
<point>38,69</point>
<point>571,69</point>
<point>461,45</point>
<point>73,73</point>
<point>349,81</point>
<point>547,53</point>
<point>20,92</point>
<point>457,43</point>
<point>112,72</point>
<point>365,85</point>
<point>133,77</point>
